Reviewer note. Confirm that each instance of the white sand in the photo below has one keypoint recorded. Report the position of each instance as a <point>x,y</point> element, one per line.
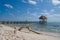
<point>7,33</point>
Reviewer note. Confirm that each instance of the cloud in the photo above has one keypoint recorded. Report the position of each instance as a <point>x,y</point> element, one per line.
<point>32,2</point>
<point>57,15</point>
<point>45,10</point>
<point>45,13</point>
<point>48,13</point>
<point>8,5</point>
<point>55,2</point>
<point>52,10</point>
<point>54,17</point>
<point>34,14</point>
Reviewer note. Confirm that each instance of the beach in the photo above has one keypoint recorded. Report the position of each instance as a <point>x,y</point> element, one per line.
<point>9,33</point>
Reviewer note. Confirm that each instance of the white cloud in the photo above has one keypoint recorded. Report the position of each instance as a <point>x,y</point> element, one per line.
<point>8,5</point>
<point>53,17</point>
<point>45,13</point>
<point>55,2</point>
<point>32,2</point>
<point>52,10</point>
<point>49,11</point>
<point>45,10</point>
<point>34,14</point>
<point>57,15</point>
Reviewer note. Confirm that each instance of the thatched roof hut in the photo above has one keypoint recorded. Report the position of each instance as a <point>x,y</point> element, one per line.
<point>43,18</point>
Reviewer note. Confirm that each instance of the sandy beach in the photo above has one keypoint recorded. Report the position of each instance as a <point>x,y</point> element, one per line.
<point>7,33</point>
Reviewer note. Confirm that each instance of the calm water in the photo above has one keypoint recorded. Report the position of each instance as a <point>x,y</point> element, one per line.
<point>48,27</point>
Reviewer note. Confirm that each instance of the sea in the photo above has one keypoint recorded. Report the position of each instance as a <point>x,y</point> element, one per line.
<point>53,27</point>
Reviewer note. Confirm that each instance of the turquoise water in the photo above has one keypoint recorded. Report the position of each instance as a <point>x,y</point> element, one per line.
<point>48,27</point>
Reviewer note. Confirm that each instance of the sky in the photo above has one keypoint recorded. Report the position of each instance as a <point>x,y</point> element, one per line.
<point>30,10</point>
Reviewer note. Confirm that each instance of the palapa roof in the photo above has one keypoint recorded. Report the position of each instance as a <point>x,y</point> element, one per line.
<point>42,17</point>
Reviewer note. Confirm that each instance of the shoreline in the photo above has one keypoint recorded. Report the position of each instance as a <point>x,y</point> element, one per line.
<point>18,26</point>
<point>7,33</point>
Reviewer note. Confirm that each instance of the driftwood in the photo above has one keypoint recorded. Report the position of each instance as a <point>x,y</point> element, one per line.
<point>28,27</point>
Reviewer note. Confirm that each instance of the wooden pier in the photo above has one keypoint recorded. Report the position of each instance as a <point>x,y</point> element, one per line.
<point>10,22</point>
